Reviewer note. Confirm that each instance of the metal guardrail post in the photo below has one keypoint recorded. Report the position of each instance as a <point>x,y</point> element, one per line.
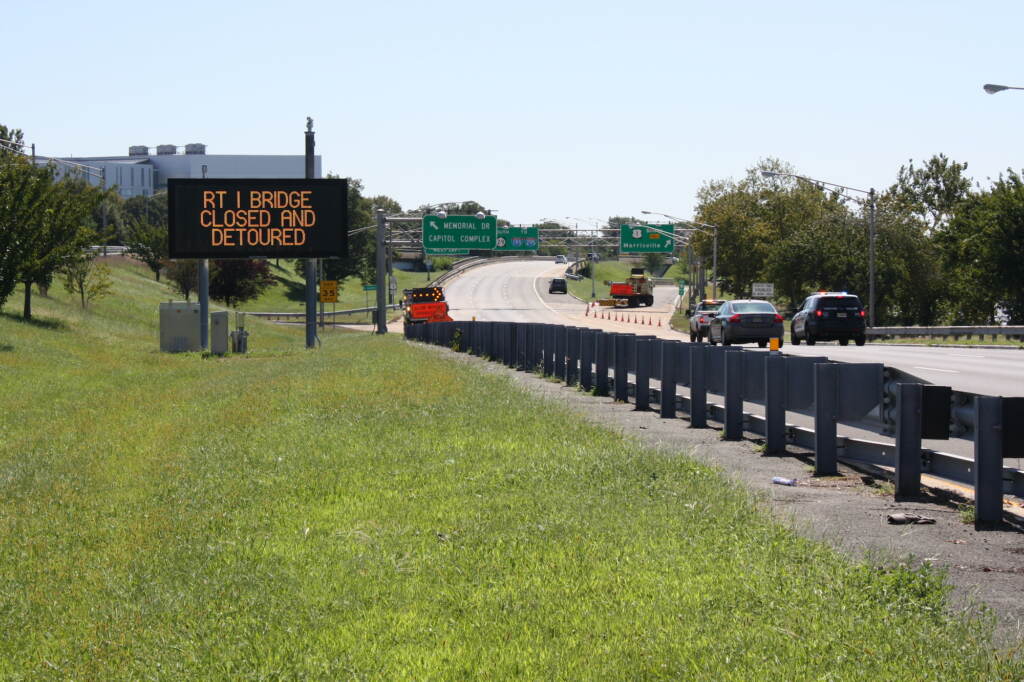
<point>908,440</point>
<point>549,349</point>
<point>560,347</point>
<point>775,403</point>
<point>587,359</point>
<point>537,345</point>
<point>698,387</point>
<point>988,460</point>
<point>601,343</point>
<point>644,350</point>
<point>734,395</point>
<point>668,378</point>
<point>622,348</point>
<point>825,417</point>
<point>572,356</point>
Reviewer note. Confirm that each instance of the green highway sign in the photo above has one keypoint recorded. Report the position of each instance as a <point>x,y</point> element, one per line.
<point>645,239</point>
<point>458,232</point>
<point>448,252</point>
<point>369,287</point>
<point>517,239</point>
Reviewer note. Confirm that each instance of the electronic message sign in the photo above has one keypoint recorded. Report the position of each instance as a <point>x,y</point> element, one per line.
<point>244,218</point>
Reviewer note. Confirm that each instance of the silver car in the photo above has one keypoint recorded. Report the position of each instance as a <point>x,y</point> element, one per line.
<point>744,322</point>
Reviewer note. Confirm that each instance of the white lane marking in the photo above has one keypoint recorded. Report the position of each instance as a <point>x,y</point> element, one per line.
<point>955,355</point>
<point>936,369</point>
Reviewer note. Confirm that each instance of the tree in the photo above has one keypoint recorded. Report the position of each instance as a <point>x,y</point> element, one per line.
<point>62,231</point>
<point>238,281</point>
<point>145,230</point>
<point>86,278</point>
<point>931,193</point>
<point>981,250</point>
<point>24,190</point>
<point>183,276</point>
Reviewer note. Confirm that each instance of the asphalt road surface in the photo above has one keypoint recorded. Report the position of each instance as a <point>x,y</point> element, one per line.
<point>518,292</point>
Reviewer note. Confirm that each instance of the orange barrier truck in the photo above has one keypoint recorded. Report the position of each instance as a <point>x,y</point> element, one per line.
<point>637,289</point>
<point>424,305</point>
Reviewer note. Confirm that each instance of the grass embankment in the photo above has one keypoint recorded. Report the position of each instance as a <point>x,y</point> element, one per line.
<point>374,510</point>
<point>604,271</point>
<point>288,294</point>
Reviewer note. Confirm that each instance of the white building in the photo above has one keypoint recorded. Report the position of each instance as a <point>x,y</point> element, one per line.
<point>142,173</point>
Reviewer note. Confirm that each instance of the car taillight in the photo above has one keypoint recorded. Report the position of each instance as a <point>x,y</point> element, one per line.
<point>734,318</point>
<point>778,318</point>
<point>862,313</point>
<point>703,319</point>
<point>817,313</point>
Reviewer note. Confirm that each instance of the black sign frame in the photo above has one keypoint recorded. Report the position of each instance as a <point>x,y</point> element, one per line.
<point>288,218</point>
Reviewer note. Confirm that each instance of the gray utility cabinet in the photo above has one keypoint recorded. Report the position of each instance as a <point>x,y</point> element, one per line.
<point>219,332</point>
<point>179,327</point>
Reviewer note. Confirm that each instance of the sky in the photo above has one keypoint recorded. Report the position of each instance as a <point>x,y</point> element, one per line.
<point>538,110</point>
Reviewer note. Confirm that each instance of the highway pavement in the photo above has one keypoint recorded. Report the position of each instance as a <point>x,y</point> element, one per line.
<point>518,292</point>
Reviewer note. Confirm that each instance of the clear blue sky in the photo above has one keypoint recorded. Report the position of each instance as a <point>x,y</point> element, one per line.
<point>537,109</point>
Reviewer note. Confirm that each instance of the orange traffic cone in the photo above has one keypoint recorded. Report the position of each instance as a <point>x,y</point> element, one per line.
<point>659,321</point>
<point>587,314</point>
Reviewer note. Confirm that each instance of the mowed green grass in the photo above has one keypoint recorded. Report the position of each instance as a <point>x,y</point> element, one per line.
<point>288,294</point>
<point>374,509</point>
<point>604,271</point>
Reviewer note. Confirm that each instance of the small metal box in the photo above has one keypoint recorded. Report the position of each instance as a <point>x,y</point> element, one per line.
<point>179,327</point>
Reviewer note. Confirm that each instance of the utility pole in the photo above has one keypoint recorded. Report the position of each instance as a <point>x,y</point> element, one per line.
<point>382,323</point>
<point>871,257</point>
<point>310,262</point>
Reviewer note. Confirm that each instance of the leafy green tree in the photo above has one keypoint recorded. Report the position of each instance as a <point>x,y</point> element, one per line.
<point>24,193</point>
<point>932,192</point>
<point>87,279</point>
<point>145,230</point>
<point>981,250</point>
<point>64,230</point>
<point>239,280</point>
<point>183,276</point>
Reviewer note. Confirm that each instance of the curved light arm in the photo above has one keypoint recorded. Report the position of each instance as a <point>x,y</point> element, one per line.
<point>775,174</point>
<point>992,88</point>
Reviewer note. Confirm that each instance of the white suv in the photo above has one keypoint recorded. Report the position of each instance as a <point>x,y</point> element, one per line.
<point>561,259</point>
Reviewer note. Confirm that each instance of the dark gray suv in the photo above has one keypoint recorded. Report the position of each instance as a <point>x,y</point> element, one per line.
<point>829,316</point>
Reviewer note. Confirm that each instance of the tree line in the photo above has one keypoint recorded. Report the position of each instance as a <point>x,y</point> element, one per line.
<point>46,224</point>
<point>947,250</point>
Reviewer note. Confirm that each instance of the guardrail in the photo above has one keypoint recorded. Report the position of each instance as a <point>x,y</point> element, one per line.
<point>625,365</point>
<point>1010,332</point>
<point>299,316</point>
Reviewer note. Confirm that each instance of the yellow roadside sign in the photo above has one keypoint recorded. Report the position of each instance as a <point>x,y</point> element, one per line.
<point>328,291</point>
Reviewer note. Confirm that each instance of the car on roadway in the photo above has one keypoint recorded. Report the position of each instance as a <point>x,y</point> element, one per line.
<point>700,318</point>
<point>561,259</point>
<point>829,316</point>
<point>558,286</point>
<point>746,321</point>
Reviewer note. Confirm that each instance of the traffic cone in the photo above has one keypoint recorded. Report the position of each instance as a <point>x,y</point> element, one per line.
<point>587,314</point>
<point>659,321</point>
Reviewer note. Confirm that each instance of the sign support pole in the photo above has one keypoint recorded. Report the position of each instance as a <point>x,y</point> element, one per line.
<point>204,303</point>
<point>204,298</point>
<point>310,262</point>
<point>382,326</point>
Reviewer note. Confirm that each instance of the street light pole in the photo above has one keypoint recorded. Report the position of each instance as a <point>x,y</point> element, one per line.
<point>714,245</point>
<point>871,227</point>
<point>992,89</point>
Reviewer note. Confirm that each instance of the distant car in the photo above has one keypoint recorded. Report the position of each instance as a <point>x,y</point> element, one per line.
<point>829,316</point>
<point>700,318</point>
<point>593,257</point>
<point>561,259</point>
<point>746,321</point>
<point>558,286</point>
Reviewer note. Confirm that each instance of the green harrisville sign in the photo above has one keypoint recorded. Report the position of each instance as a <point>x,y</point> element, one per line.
<point>646,239</point>
<point>517,239</point>
<point>458,232</point>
